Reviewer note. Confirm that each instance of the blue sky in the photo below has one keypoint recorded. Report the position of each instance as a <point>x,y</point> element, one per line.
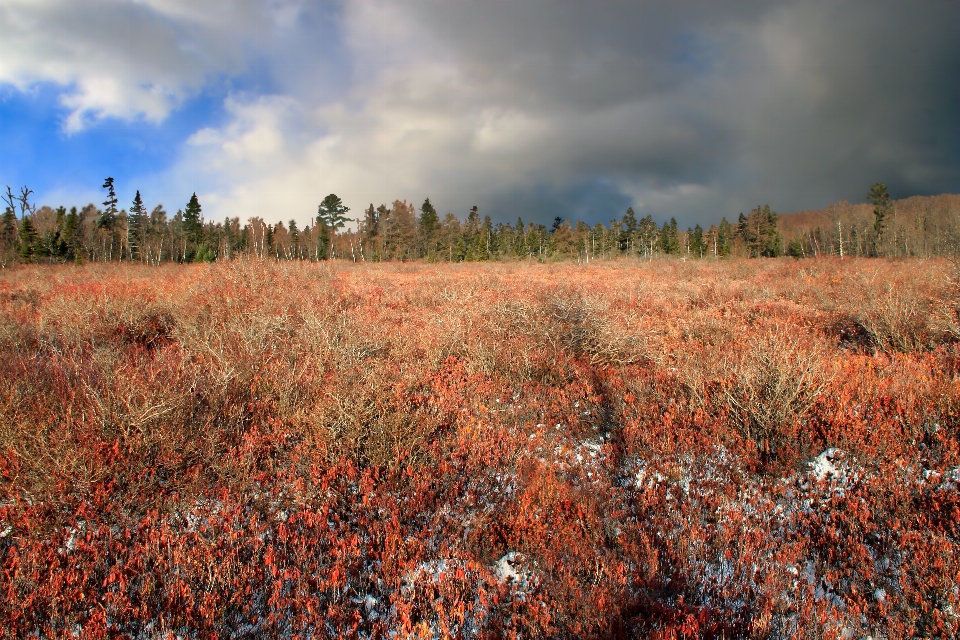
<point>73,165</point>
<point>532,108</point>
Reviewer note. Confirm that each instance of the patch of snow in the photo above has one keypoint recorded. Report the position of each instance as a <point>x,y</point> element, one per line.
<point>505,568</point>
<point>823,466</point>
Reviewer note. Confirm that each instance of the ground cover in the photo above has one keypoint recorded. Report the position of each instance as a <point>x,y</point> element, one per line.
<point>752,448</point>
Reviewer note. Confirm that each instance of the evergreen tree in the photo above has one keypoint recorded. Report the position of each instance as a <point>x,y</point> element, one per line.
<point>371,223</point>
<point>136,227</point>
<point>429,224</point>
<point>796,248</point>
<point>472,226</point>
<point>670,238</point>
<point>294,234</point>
<point>8,226</point>
<point>882,206</point>
<point>484,240</point>
<point>110,204</point>
<point>178,238</point>
<point>59,245</point>
<point>698,246</point>
<point>519,241</point>
<point>647,235</point>
<point>28,239</point>
<point>471,233</point>
<point>108,217</point>
<point>880,199</point>
<point>332,212</point>
<point>772,241</point>
<point>192,221</point>
<point>724,237</point>
<point>628,230</point>
<point>760,232</point>
<point>8,235</point>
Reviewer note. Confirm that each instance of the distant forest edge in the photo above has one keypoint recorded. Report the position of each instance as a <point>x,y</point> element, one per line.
<point>920,226</point>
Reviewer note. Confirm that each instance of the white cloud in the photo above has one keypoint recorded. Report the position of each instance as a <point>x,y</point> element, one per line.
<point>122,59</point>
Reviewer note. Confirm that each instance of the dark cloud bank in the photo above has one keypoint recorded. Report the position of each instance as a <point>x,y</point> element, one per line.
<point>697,110</point>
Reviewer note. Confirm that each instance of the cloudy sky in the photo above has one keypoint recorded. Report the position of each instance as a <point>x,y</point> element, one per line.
<point>532,108</point>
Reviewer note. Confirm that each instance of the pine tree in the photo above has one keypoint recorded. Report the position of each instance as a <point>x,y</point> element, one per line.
<point>332,212</point>
<point>108,217</point>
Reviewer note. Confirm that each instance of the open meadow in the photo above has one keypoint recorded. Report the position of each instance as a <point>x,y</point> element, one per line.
<point>742,448</point>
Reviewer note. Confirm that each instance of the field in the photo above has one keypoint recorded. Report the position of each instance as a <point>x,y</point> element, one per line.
<point>748,448</point>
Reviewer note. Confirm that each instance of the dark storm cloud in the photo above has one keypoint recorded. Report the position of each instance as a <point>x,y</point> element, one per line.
<point>795,104</point>
<point>591,201</point>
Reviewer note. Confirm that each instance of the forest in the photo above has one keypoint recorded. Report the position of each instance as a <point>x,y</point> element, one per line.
<point>631,448</point>
<point>915,227</point>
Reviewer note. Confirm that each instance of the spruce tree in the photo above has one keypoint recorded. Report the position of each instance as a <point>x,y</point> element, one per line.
<point>28,239</point>
<point>136,227</point>
<point>670,238</point>
<point>71,232</point>
<point>698,246</point>
<point>724,237</point>
<point>8,235</point>
<point>771,234</point>
<point>882,206</point>
<point>371,223</point>
<point>628,229</point>
<point>429,224</point>
<point>192,222</point>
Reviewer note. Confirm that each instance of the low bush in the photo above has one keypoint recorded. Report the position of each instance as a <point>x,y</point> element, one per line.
<point>623,449</point>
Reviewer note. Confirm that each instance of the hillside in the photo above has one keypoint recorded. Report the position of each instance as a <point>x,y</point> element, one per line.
<point>922,226</point>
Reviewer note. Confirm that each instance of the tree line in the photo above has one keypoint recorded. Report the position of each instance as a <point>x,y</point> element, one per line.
<point>403,232</point>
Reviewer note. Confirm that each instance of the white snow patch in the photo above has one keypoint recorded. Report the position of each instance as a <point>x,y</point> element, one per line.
<point>505,568</point>
<point>823,466</point>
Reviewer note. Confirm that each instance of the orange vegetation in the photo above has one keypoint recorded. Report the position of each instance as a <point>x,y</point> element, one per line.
<point>657,449</point>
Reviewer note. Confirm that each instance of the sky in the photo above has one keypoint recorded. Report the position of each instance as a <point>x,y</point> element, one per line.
<point>525,108</point>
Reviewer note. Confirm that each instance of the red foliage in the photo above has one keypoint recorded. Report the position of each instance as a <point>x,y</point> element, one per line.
<point>656,450</point>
